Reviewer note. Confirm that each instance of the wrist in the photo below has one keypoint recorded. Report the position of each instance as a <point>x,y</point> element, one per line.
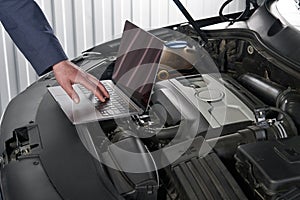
<point>59,64</point>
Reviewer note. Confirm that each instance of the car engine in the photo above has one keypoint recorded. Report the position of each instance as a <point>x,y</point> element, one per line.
<point>232,129</point>
<point>223,123</point>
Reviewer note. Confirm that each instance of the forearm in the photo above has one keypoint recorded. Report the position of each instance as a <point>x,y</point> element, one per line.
<point>30,30</point>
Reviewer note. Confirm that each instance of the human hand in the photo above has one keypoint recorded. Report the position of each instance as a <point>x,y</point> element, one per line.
<point>67,74</point>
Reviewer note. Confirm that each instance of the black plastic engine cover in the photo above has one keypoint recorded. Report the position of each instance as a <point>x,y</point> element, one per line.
<point>200,174</point>
<point>142,184</point>
<point>271,168</point>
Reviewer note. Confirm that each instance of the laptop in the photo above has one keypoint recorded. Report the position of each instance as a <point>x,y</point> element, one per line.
<point>132,81</point>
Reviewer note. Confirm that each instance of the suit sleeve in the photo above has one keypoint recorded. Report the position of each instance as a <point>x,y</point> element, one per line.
<point>29,29</point>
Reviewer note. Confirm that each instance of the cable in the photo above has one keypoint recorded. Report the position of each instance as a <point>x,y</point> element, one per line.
<point>155,166</point>
<point>222,8</point>
<point>166,133</point>
<point>242,16</point>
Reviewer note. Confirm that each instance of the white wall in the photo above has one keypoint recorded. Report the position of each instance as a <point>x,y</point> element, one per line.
<point>80,24</point>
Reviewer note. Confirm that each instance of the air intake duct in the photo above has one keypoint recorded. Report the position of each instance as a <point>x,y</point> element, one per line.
<point>273,94</point>
<point>264,89</point>
<point>289,102</point>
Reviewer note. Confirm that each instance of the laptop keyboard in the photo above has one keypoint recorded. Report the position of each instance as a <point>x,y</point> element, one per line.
<point>114,106</point>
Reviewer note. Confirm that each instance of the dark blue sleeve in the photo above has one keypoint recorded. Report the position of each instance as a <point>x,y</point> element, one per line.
<point>31,32</point>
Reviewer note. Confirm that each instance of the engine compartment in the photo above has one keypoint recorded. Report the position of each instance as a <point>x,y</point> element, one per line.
<point>237,128</point>
<point>223,124</point>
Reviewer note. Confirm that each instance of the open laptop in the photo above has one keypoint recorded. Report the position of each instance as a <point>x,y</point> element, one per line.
<point>131,85</point>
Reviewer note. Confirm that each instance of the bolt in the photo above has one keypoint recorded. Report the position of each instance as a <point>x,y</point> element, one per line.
<point>250,50</point>
<point>36,163</point>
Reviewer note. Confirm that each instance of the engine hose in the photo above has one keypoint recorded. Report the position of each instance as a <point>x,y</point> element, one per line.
<point>287,117</point>
<point>166,133</point>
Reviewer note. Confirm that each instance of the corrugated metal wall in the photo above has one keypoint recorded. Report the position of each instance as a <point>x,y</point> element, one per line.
<point>80,24</point>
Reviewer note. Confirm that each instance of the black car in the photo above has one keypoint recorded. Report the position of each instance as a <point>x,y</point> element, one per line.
<point>222,123</point>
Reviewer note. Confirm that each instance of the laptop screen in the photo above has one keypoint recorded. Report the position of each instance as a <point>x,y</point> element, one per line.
<point>137,64</point>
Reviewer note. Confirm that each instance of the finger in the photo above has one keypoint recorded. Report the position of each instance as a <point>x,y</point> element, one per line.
<point>92,87</point>
<point>71,92</point>
<point>99,85</point>
<point>103,90</point>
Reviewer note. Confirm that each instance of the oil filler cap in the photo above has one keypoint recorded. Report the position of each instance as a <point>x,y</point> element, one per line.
<point>210,95</point>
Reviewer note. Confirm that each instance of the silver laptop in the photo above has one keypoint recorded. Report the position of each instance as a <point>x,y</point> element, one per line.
<point>131,85</point>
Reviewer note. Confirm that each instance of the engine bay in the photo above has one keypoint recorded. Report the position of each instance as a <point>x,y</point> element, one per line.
<point>227,135</point>
<point>223,123</point>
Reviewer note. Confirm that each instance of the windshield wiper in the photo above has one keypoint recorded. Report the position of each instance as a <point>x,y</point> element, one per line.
<point>203,38</point>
